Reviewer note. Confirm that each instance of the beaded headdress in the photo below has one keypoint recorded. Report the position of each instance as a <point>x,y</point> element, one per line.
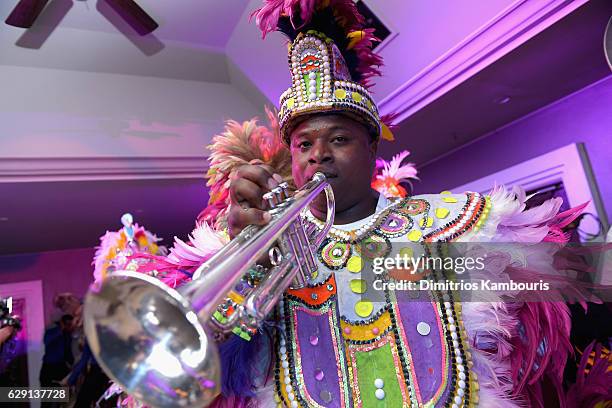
<point>330,59</point>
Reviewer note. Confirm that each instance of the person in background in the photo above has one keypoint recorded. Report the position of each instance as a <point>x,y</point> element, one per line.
<point>94,383</point>
<point>58,357</point>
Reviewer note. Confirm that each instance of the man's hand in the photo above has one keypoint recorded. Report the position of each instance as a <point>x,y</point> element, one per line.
<point>248,184</point>
<point>5,333</point>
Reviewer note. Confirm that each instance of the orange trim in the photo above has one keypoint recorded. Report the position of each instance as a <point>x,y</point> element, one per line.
<point>322,292</point>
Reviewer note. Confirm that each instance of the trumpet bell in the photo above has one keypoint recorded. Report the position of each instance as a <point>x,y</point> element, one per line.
<point>147,337</point>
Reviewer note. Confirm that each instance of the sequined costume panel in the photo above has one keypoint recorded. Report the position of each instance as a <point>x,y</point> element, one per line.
<point>341,346</point>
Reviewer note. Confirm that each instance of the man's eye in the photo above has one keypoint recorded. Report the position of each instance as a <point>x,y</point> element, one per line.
<point>303,145</point>
<point>340,139</point>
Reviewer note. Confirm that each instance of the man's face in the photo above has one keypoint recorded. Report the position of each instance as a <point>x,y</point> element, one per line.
<point>339,147</point>
<point>66,325</point>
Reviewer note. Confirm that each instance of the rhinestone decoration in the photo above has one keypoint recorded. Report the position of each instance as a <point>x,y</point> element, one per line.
<point>423,328</point>
<point>334,254</point>
<point>395,225</point>
<point>414,206</point>
<point>321,81</point>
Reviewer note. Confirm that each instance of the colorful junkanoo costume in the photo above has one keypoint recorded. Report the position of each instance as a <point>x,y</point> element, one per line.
<point>341,341</point>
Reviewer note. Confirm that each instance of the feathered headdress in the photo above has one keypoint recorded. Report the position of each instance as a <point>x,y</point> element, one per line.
<point>330,59</point>
<point>116,247</point>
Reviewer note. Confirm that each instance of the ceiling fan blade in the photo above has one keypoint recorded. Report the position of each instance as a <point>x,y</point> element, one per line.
<point>25,13</point>
<point>134,15</point>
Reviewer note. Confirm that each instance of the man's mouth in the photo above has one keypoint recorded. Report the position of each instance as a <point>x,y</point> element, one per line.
<point>328,174</point>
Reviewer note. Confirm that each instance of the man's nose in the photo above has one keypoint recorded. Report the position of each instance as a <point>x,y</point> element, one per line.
<point>320,153</point>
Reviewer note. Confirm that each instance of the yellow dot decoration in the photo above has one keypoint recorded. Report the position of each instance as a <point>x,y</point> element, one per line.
<point>340,93</point>
<point>314,274</point>
<point>364,308</point>
<point>449,199</point>
<point>290,103</point>
<point>430,221</point>
<point>356,97</point>
<point>442,212</point>
<point>445,192</point>
<point>406,251</point>
<point>415,235</point>
<point>354,264</point>
<point>358,285</point>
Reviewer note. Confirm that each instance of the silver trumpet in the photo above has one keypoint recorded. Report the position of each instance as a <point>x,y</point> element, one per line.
<point>158,343</point>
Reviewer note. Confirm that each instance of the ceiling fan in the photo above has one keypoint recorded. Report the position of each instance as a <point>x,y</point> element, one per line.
<point>27,11</point>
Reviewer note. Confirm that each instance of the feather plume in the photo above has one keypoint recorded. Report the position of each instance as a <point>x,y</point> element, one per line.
<point>541,348</point>
<point>592,387</point>
<point>116,247</point>
<point>389,175</point>
<point>237,145</point>
<point>340,20</point>
<point>532,343</point>
<point>509,222</point>
<point>490,327</point>
<point>184,258</point>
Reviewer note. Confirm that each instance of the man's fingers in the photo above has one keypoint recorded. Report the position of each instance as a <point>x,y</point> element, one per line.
<point>240,218</point>
<point>246,193</point>
<point>262,175</point>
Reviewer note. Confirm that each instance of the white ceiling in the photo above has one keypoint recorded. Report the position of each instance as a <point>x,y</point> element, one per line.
<point>211,41</point>
<point>200,23</point>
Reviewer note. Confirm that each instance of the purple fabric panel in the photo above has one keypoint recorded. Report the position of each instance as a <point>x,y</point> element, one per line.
<point>426,350</point>
<point>319,356</point>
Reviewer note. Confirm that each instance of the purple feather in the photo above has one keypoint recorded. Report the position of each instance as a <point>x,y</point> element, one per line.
<point>541,348</point>
<point>245,365</point>
<point>342,18</point>
<point>595,386</point>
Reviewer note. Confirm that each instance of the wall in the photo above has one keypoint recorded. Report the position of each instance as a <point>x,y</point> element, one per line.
<point>78,86</point>
<point>264,62</point>
<point>60,113</point>
<point>60,271</point>
<point>581,117</point>
<point>427,30</point>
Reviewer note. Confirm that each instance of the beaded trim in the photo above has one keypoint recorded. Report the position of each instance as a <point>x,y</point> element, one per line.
<point>475,207</point>
<point>463,386</point>
<point>321,82</point>
<point>295,392</point>
<point>371,240</point>
<point>357,235</point>
<point>403,381</point>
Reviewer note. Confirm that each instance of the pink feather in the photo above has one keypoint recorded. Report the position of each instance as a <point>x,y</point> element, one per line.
<point>595,386</point>
<point>347,17</point>
<point>541,348</point>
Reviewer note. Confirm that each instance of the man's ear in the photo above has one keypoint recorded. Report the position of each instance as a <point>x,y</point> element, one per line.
<point>373,147</point>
